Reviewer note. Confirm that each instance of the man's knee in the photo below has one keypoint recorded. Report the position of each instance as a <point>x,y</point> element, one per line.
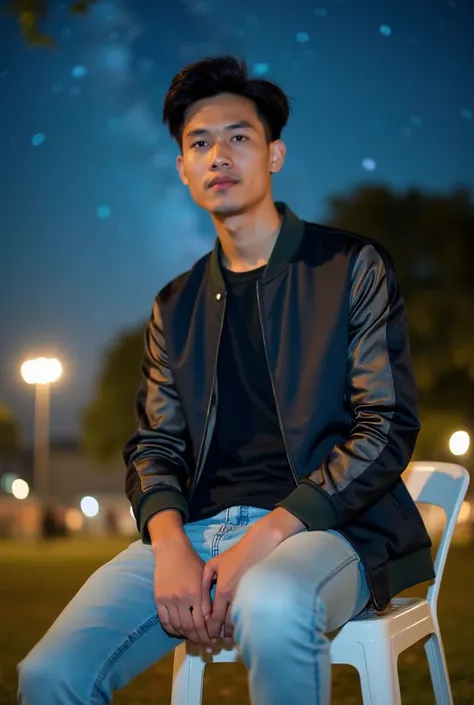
<point>273,604</point>
<point>36,679</point>
<point>261,594</point>
<point>49,679</point>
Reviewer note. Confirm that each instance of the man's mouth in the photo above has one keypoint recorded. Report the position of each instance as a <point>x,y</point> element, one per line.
<point>222,184</point>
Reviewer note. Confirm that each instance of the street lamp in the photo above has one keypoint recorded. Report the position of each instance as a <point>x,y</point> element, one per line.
<point>41,372</point>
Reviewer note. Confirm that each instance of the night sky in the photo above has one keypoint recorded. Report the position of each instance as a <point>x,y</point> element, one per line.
<point>94,220</point>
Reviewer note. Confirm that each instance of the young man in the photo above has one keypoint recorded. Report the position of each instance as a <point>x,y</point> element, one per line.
<point>277,412</point>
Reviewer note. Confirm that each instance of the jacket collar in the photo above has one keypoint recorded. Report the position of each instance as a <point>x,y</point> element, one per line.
<point>287,244</point>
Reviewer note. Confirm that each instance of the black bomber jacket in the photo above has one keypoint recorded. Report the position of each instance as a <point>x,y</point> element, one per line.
<point>337,347</point>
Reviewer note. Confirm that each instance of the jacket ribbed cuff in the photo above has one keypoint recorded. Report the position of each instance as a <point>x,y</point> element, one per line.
<point>158,501</point>
<point>312,506</point>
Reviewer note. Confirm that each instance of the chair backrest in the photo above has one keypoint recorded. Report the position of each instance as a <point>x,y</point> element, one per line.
<point>444,485</point>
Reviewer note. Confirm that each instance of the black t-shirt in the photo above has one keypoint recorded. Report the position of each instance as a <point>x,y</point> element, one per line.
<point>246,463</point>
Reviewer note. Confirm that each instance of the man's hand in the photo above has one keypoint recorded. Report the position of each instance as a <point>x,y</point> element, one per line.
<point>178,587</point>
<point>227,569</point>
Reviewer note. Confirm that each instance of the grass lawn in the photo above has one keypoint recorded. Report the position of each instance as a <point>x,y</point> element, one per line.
<point>37,581</point>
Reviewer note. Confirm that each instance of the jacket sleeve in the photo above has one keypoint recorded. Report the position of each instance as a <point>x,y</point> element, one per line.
<point>383,398</point>
<point>157,455</point>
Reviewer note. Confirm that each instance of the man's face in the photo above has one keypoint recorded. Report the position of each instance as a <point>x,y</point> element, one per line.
<point>226,160</point>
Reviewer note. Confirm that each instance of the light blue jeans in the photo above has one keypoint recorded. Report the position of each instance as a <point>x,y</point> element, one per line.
<point>283,611</point>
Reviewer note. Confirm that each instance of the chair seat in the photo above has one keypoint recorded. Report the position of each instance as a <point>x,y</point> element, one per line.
<point>404,622</point>
<point>397,606</point>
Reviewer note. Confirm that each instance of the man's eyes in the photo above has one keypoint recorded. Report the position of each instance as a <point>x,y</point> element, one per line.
<point>201,143</point>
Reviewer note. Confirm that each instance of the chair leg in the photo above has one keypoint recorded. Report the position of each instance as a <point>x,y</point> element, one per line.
<point>379,679</point>
<point>438,670</point>
<point>188,676</point>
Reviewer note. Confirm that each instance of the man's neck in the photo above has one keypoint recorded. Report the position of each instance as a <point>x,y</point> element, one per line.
<point>247,240</point>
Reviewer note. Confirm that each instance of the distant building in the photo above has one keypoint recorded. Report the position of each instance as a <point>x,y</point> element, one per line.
<point>73,475</point>
<point>84,495</point>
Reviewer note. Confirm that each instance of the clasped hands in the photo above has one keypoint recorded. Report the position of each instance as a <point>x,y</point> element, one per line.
<point>184,605</point>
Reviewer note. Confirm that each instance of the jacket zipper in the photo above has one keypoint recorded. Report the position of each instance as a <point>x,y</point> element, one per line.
<point>209,404</point>
<point>280,422</point>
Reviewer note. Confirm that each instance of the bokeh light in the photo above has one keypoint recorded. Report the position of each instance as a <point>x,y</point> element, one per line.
<point>38,139</point>
<point>459,443</point>
<point>79,71</point>
<point>20,489</point>
<point>89,506</point>
<point>74,519</point>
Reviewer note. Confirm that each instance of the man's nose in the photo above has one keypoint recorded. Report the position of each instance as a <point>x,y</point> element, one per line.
<point>220,157</point>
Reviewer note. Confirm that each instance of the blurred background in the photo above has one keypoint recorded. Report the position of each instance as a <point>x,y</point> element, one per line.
<point>94,221</point>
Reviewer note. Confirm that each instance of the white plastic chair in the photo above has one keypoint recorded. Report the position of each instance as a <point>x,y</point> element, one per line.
<point>371,642</point>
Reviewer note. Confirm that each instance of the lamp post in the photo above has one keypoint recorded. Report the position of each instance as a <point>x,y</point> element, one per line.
<point>41,372</point>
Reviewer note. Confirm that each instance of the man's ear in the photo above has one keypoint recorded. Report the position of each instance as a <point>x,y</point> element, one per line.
<point>277,156</point>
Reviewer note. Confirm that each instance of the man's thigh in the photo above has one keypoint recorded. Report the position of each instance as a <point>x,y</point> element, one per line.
<point>311,569</point>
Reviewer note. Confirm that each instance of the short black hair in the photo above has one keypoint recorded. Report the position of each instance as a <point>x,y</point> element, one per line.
<point>224,74</point>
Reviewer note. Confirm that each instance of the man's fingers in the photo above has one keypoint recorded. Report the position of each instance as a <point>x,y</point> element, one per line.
<point>228,626</point>
<point>175,618</point>
<point>181,622</point>
<point>206,602</point>
<point>216,620</point>
<point>164,616</point>
<point>165,621</point>
<point>200,626</point>
<point>208,575</point>
<point>186,619</point>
